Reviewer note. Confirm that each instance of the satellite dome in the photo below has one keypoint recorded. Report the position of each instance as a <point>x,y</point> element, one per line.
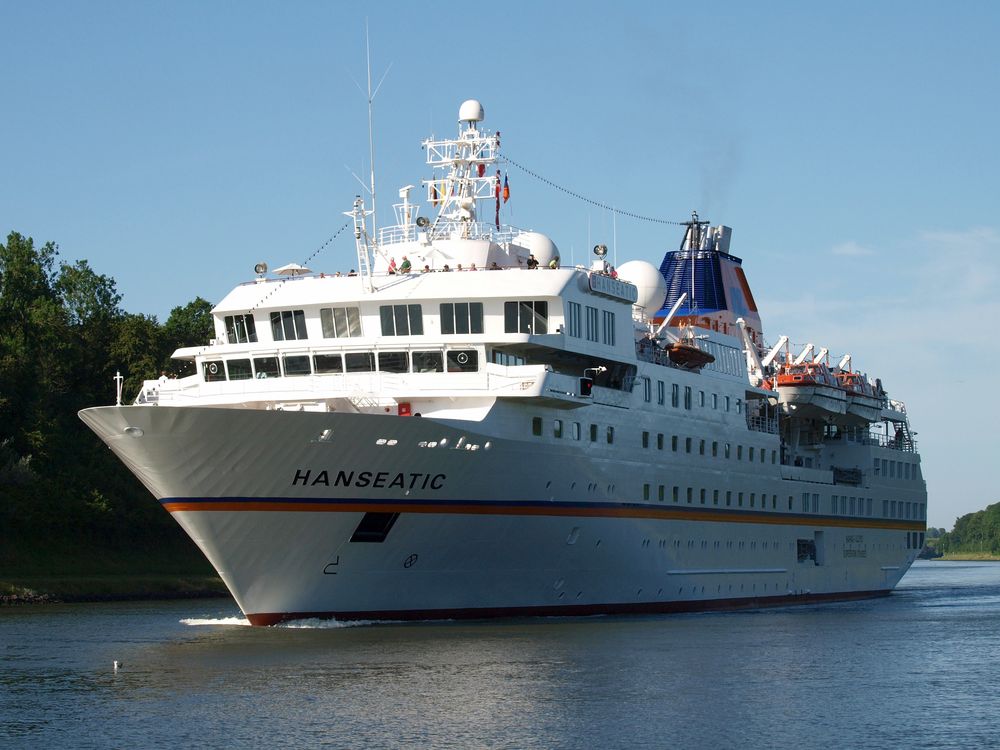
<point>471,111</point>
<point>648,280</point>
<point>540,246</point>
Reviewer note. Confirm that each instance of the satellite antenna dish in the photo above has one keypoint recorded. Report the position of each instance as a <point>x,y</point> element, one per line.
<point>423,221</point>
<point>260,268</point>
<point>600,250</point>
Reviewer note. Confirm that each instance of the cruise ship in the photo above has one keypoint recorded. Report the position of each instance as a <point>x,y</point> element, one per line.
<point>465,426</point>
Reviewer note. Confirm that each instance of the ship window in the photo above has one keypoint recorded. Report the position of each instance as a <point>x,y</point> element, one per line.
<point>557,428</point>
<point>751,453</point>
<point>401,320</point>
<point>214,371</point>
<point>687,445</point>
<point>690,495</point>
<point>327,363</point>
<point>715,448</point>
<point>729,497</point>
<point>239,369</point>
<point>739,499</point>
<point>536,425</point>
<point>774,502</point>
<point>393,362</point>
<point>673,443</point>
<point>739,452</point>
<point>659,441</point>
<point>715,497</point>
<point>462,360</point>
<point>428,362</point>
<point>774,457</point>
<point>645,439</point>
<point>359,362</point>
<point>661,495</point>
<point>727,450</point>
<point>266,367</point>
<point>340,322</point>
<point>576,430</point>
<point>715,400</point>
<point>461,317</point>
<point>739,406</point>
<point>661,390</point>
<point>288,325</point>
<point>869,507</point>
<point>677,494</point>
<point>611,434</point>
<point>591,323</point>
<point>574,321</point>
<point>753,499</point>
<point>593,433</point>
<point>687,397</point>
<point>645,492</point>
<point>296,365</point>
<point>833,504</point>
<point>701,398</point>
<point>240,329</point>
<point>609,328</point>
<point>702,496</point>
<point>727,403</point>
<point>647,387</point>
<point>815,503</point>
<point>526,316</point>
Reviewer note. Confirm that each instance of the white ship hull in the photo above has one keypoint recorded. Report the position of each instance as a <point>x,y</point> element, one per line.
<point>478,534</point>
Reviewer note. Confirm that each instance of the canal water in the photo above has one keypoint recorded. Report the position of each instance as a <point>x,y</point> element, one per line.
<point>920,668</point>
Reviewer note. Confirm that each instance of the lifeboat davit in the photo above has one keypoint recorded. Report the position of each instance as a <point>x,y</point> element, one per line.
<point>863,404</point>
<point>810,390</point>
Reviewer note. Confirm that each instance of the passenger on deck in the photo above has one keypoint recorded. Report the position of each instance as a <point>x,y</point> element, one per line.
<point>494,266</point>
<point>405,265</point>
<point>392,266</point>
<point>532,262</point>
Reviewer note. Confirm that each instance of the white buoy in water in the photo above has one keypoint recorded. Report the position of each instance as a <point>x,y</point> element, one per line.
<point>117,665</point>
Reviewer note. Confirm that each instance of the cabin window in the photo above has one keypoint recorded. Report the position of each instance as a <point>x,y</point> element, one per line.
<point>647,388</point>
<point>401,320</point>
<point>461,317</point>
<point>240,329</point>
<point>576,430</point>
<point>393,362</point>
<point>593,433</point>
<point>701,398</point>
<point>715,448</point>
<point>296,365</point>
<point>266,367</point>
<point>591,323</point>
<point>675,391</point>
<point>715,400</point>
<point>327,363</point>
<point>239,369</point>
<point>673,443</point>
<point>701,447</point>
<point>340,322</point>
<point>359,362</point>
<point>833,504</point>
<point>288,325</point>
<point>462,360</point>
<point>526,316</point>
<point>661,390</point>
<point>687,445</point>
<point>557,428</point>
<point>608,328</point>
<point>428,362</point>
<point>659,441</point>
<point>687,397</point>
<point>214,371</point>
<point>536,425</point>
<point>645,439</point>
<point>574,319</point>
<point>611,434</point>
<point>750,457</point>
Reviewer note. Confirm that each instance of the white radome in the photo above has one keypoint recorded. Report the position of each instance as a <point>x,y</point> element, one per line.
<point>471,111</point>
<point>648,280</point>
<point>539,245</point>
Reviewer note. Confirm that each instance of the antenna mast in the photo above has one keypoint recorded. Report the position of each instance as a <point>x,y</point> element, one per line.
<point>371,126</point>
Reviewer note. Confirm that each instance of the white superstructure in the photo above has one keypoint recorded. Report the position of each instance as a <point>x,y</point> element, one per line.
<point>429,437</point>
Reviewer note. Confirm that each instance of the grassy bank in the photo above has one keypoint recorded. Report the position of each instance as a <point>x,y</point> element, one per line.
<point>971,556</point>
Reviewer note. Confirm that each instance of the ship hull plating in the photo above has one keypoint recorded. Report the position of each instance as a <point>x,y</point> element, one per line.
<point>366,516</point>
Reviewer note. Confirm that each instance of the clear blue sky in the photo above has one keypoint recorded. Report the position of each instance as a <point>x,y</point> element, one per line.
<point>852,146</point>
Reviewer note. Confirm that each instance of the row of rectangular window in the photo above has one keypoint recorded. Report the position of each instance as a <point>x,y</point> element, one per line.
<point>292,365</point>
<point>572,430</point>
<point>896,469</point>
<point>675,396</point>
<point>810,502</point>
<point>580,326</point>
<point>752,451</point>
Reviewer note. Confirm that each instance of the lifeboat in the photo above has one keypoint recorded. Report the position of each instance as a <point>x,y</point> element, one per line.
<point>863,404</point>
<point>688,355</point>
<point>809,389</point>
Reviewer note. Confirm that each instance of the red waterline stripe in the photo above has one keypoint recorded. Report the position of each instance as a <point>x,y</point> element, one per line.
<point>568,610</point>
<point>544,510</point>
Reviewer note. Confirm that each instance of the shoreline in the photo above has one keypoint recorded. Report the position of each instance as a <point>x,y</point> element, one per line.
<point>18,590</point>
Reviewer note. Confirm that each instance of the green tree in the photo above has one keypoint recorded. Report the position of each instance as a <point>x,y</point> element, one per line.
<point>190,325</point>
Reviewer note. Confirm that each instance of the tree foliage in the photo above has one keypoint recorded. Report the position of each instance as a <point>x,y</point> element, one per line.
<point>63,336</point>
<point>974,533</point>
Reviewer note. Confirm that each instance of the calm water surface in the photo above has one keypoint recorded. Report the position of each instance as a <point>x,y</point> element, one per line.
<point>919,669</point>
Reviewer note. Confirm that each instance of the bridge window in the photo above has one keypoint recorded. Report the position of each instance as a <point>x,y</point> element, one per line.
<point>359,362</point>
<point>591,323</point>
<point>240,329</point>
<point>526,316</point>
<point>393,362</point>
<point>574,320</point>
<point>428,362</point>
<point>288,325</point>
<point>296,365</point>
<point>266,367</point>
<point>327,363</point>
<point>461,317</point>
<point>239,369</point>
<point>462,360</point>
<point>340,322</point>
<point>609,328</point>
<point>401,320</point>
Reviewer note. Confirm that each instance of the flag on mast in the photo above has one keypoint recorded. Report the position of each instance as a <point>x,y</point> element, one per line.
<point>506,189</point>
<point>496,192</point>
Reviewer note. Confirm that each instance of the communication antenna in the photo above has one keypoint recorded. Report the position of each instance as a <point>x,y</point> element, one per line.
<point>371,118</point>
